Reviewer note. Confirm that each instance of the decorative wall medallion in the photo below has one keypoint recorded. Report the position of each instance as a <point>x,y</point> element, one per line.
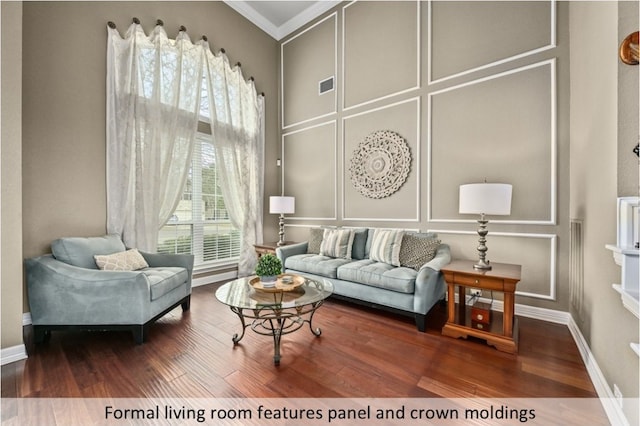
<point>380,165</point>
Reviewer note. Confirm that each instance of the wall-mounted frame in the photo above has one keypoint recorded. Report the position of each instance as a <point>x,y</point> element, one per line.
<point>460,101</point>
<point>628,223</point>
<point>552,43</point>
<point>550,250</point>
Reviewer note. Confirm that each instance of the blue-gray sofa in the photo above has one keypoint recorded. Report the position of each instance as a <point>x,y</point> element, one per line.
<point>67,290</point>
<point>359,278</point>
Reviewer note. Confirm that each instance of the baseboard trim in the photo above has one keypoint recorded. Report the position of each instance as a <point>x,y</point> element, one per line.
<point>13,354</point>
<point>608,400</point>
<point>215,278</point>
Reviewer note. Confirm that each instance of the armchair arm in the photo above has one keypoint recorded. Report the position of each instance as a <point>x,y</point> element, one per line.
<point>63,294</point>
<point>430,286</point>
<point>285,251</point>
<point>161,259</point>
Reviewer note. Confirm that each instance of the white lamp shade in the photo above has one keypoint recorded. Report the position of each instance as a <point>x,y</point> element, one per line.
<point>282,205</point>
<point>485,198</point>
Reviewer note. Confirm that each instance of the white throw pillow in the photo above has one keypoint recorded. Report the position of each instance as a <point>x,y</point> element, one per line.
<point>385,246</point>
<point>129,260</point>
<point>337,243</point>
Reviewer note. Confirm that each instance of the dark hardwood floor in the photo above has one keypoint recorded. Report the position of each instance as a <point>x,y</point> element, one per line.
<point>362,353</point>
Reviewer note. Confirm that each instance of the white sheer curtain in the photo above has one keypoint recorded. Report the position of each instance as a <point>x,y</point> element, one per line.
<point>153,106</point>
<point>237,127</point>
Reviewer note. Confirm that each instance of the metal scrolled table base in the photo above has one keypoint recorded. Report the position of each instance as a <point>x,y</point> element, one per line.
<point>276,321</point>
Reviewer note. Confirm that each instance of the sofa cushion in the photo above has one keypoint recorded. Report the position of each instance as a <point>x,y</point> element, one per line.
<point>315,264</point>
<point>79,251</point>
<point>337,243</point>
<point>379,274</point>
<point>164,279</point>
<point>385,246</point>
<point>129,260</point>
<point>416,250</point>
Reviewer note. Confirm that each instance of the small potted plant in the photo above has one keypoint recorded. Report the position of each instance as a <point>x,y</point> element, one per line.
<point>268,268</point>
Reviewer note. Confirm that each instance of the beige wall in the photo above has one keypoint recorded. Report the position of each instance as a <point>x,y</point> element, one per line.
<point>64,73</point>
<point>11,177</point>
<point>493,106</point>
<point>595,90</point>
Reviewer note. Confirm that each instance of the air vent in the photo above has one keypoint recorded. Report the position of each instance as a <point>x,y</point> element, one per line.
<point>325,85</point>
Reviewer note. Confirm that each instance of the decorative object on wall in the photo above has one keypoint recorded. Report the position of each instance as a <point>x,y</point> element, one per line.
<point>281,205</point>
<point>485,198</point>
<point>380,165</point>
<point>628,52</point>
<point>636,150</point>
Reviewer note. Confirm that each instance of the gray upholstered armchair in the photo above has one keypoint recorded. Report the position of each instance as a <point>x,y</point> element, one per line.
<point>67,290</point>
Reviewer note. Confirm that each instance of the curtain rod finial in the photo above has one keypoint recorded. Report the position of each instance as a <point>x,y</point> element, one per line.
<point>111,25</point>
<point>136,20</point>
<point>222,50</point>
<point>238,64</point>
<point>204,37</point>
<point>263,95</point>
<point>160,22</point>
<point>251,78</point>
<point>183,28</point>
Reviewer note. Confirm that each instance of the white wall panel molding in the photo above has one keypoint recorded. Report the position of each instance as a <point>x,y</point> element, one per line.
<point>551,45</point>
<point>334,124</point>
<point>418,55</point>
<point>550,65</point>
<point>415,172</point>
<point>552,255</point>
<point>284,125</point>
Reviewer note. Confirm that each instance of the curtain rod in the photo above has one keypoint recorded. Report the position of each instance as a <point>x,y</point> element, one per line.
<point>160,22</point>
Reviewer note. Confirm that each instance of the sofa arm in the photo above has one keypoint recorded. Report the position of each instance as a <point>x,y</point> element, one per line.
<point>442,258</point>
<point>285,251</point>
<point>430,286</point>
<point>62,294</point>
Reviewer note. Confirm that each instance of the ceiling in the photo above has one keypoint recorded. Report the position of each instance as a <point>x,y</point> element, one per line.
<point>280,18</point>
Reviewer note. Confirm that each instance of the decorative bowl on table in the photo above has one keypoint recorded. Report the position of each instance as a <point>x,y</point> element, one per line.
<point>283,282</point>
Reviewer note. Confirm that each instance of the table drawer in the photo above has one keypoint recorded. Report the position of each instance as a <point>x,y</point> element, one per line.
<point>488,283</point>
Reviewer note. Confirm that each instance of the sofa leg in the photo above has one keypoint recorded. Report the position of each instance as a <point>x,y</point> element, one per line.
<point>186,304</point>
<point>41,334</point>
<point>421,322</point>
<point>139,332</point>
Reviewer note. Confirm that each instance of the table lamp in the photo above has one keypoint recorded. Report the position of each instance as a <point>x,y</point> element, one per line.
<point>282,205</point>
<point>485,199</point>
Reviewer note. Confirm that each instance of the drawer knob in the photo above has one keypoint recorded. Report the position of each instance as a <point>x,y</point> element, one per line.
<point>477,281</point>
<point>480,317</point>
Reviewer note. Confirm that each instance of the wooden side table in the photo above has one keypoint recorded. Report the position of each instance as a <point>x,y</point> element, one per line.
<point>269,247</point>
<point>502,332</point>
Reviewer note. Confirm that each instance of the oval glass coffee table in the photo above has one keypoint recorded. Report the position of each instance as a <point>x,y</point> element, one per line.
<point>275,311</point>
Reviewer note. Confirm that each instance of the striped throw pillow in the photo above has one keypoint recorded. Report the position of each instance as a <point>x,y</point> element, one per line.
<point>385,246</point>
<point>337,243</point>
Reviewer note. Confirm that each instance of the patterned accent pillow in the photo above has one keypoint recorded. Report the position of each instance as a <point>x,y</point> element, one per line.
<point>315,240</point>
<point>417,250</point>
<point>385,246</point>
<point>129,260</point>
<point>337,243</point>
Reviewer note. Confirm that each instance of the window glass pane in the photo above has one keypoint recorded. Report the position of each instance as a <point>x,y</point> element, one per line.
<point>175,238</point>
<point>200,224</point>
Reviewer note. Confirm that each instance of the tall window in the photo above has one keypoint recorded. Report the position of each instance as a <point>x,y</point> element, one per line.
<point>200,224</point>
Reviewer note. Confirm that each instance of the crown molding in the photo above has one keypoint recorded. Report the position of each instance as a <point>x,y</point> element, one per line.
<point>278,33</point>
